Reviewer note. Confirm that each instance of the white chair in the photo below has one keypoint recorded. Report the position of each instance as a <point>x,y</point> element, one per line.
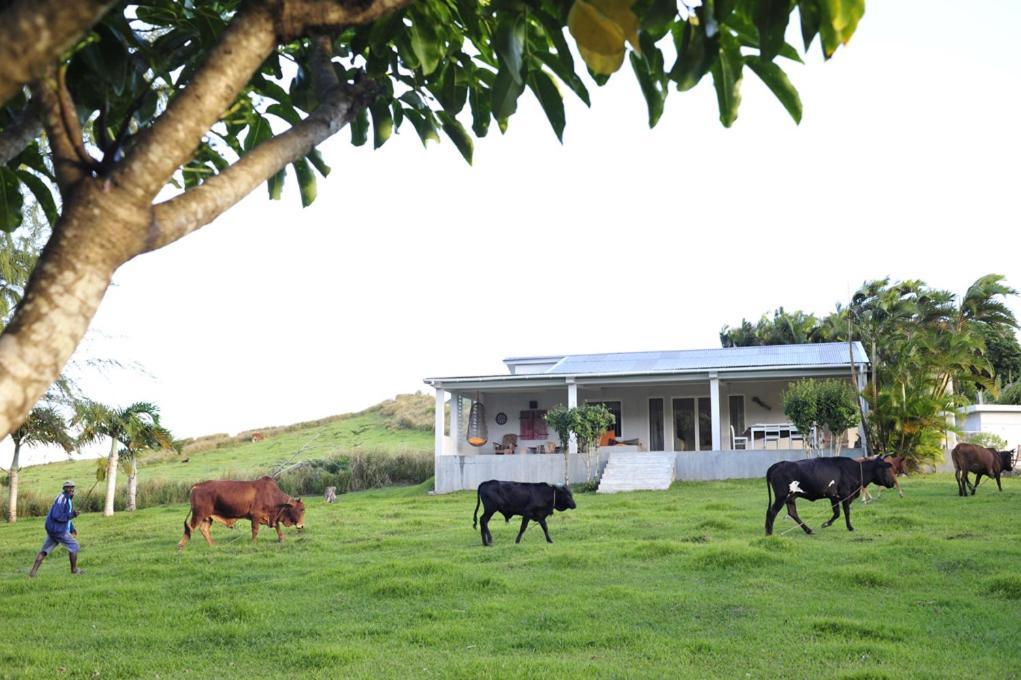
<point>796,436</point>
<point>771,434</point>
<point>735,440</point>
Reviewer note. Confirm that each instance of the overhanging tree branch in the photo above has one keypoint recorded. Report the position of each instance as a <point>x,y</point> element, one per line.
<point>33,33</point>
<point>201,205</point>
<point>301,17</point>
<point>19,134</point>
<point>67,165</point>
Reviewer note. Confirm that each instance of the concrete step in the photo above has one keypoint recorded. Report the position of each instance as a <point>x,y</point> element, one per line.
<point>636,472</point>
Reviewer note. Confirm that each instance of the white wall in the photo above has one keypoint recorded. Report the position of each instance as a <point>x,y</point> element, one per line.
<point>1004,421</point>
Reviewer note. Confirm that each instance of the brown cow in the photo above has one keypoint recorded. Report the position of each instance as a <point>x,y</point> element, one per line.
<point>898,465</point>
<point>261,502</point>
<point>982,461</point>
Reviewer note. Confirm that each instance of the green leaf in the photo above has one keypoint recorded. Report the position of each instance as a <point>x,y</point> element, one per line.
<point>423,124</point>
<point>771,18</point>
<point>695,54</point>
<point>838,21</point>
<point>509,43</point>
<point>808,10</point>
<point>727,74</point>
<point>285,112</point>
<point>657,19</point>
<point>306,181</point>
<point>482,110</point>
<point>360,127</point>
<point>505,95</point>
<point>10,200</point>
<point>42,194</point>
<point>654,96</point>
<point>425,42</point>
<point>316,159</point>
<point>458,135</point>
<point>382,123</point>
<point>275,184</point>
<point>258,131</point>
<point>779,84</point>
<point>549,97</point>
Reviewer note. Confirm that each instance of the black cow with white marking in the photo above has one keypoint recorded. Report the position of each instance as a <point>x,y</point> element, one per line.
<point>838,479</point>
<point>531,501</point>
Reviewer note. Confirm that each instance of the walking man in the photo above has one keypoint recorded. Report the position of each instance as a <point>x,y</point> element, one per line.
<point>60,530</point>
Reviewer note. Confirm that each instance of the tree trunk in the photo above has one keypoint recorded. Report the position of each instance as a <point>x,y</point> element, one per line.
<point>97,233</point>
<point>12,508</point>
<point>132,485</point>
<point>111,478</point>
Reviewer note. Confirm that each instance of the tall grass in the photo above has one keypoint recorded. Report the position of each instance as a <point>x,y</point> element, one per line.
<point>370,470</point>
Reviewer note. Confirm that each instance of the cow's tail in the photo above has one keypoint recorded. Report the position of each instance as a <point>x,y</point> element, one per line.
<point>769,491</point>
<point>187,529</point>
<point>478,501</point>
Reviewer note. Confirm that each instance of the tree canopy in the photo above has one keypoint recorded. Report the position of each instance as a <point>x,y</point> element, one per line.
<point>105,104</point>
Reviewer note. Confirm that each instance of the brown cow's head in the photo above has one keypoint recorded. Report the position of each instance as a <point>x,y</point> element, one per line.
<point>291,513</point>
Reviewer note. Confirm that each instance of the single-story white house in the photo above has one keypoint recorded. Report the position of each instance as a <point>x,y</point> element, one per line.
<point>717,412</point>
<point>998,419</point>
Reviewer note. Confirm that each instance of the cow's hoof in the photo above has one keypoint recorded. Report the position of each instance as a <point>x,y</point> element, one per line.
<point>850,528</point>
<point>826,524</point>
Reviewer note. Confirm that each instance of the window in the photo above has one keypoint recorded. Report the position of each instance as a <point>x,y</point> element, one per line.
<point>737,413</point>
<point>656,424</point>
<point>614,408</point>
<point>533,424</point>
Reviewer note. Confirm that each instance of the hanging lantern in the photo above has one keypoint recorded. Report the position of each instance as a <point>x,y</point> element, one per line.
<point>477,434</point>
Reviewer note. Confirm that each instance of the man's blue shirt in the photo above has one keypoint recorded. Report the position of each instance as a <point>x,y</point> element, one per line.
<point>58,520</point>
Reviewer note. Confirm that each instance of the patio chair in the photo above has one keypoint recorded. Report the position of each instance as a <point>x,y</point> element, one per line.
<point>506,445</point>
<point>735,440</point>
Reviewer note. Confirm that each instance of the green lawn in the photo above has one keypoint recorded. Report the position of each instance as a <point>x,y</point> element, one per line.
<point>395,583</point>
<point>364,432</point>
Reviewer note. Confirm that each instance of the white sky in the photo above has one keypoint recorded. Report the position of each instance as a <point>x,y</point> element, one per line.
<point>412,264</point>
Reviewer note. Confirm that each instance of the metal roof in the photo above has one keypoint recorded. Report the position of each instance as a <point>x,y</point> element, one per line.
<point>808,355</point>
<point>758,360</point>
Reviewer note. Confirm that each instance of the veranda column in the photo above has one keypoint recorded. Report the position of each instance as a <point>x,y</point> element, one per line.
<point>439,421</point>
<point>862,372</point>
<point>572,402</point>
<point>455,420</point>
<point>714,409</point>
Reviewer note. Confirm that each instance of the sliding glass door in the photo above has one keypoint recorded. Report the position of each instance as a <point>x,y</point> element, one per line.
<point>693,424</point>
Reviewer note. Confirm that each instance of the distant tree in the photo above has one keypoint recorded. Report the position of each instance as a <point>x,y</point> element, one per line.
<point>44,426</point>
<point>130,428</point>
<point>117,103</point>
<point>142,432</point>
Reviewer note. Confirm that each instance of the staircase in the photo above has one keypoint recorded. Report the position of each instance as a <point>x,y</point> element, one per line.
<point>637,471</point>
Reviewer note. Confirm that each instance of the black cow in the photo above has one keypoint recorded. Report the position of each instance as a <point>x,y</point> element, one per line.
<point>532,501</point>
<point>838,479</point>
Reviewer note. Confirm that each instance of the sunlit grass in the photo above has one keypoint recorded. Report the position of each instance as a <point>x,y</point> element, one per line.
<point>395,583</point>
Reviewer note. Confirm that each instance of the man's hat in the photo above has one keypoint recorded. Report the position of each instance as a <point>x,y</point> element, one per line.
<point>68,483</point>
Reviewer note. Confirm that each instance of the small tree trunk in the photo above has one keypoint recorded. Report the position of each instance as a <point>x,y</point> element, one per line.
<point>132,485</point>
<point>111,478</point>
<point>12,508</point>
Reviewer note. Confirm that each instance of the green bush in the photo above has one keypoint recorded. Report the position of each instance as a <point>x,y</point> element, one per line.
<point>987,439</point>
<point>1011,394</point>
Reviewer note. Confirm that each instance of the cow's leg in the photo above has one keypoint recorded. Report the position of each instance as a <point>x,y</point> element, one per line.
<point>771,513</point>
<point>847,513</point>
<point>960,484</point>
<point>866,497</point>
<point>487,538</point>
<point>203,526</point>
<point>524,525</point>
<point>998,486</point>
<point>792,510</point>
<point>545,529</point>
<point>897,484</point>
<point>836,513</point>
<point>280,533</point>
<point>255,530</point>
<point>978,478</point>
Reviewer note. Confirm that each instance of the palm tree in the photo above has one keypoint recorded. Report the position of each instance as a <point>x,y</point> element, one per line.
<point>44,426</point>
<point>125,427</point>
<point>143,434</point>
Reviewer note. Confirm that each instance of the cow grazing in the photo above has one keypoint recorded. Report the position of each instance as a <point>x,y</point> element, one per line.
<point>982,461</point>
<point>898,465</point>
<point>261,502</point>
<point>531,501</point>
<point>840,480</point>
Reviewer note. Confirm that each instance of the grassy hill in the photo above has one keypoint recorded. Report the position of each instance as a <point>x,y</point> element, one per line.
<point>395,583</point>
<point>382,430</point>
